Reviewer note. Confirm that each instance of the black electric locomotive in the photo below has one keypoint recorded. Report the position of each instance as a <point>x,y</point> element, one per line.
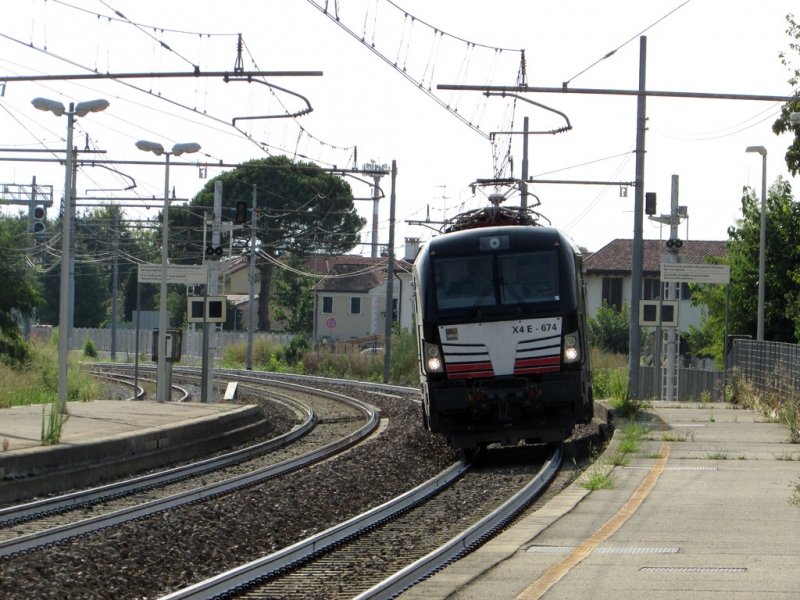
<point>502,332</point>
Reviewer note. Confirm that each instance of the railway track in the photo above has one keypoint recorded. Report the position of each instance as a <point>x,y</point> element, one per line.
<point>334,423</point>
<point>383,551</point>
<point>173,550</point>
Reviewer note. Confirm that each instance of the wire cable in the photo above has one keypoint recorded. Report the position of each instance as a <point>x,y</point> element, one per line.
<point>614,51</point>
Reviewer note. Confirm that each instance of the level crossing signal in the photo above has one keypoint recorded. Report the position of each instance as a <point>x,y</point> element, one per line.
<point>676,244</point>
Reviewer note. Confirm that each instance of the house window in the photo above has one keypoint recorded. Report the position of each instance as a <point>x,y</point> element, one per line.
<point>327,305</point>
<point>651,289</point>
<point>683,292</point>
<point>355,305</point>
<point>612,292</point>
<point>395,312</point>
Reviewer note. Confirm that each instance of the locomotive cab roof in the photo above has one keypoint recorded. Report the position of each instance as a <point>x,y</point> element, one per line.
<point>516,238</point>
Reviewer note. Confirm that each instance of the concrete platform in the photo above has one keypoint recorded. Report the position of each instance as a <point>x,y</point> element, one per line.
<point>701,512</point>
<point>102,439</point>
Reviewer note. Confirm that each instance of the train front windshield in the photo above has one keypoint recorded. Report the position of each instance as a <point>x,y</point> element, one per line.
<point>497,280</point>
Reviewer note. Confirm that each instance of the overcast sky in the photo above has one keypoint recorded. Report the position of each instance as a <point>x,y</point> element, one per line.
<point>363,102</point>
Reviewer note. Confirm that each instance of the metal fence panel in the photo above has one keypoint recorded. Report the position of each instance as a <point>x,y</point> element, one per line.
<point>126,340</point>
<point>692,384</point>
<point>768,366</point>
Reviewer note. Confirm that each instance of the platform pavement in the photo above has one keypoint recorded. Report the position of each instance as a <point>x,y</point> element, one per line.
<point>701,512</point>
<point>107,438</point>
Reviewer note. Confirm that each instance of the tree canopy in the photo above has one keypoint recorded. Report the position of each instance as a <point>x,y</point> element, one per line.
<point>20,292</point>
<point>783,124</point>
<point>782,299</point>
<point>95,234</point>
<point>294,299</point>
<point>303,209</point>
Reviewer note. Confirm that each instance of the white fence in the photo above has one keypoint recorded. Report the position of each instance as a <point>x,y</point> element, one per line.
<point>192,342</point>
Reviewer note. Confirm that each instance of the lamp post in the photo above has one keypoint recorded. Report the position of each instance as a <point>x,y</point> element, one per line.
<point>162,393</point>
<point>763,240</point>
<point>81,110</point>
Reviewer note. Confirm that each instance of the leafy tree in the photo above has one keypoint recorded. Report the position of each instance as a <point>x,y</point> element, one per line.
<point>148,296</point>
<point>782,276</point>
<point>609,330</point>
<point>176,306</point>
<point>303,208</point>
<point>294,298</point>
<point>702,342</point>
<point>91,301</point>
<point>95,233</point>
<point>782,124</point>
<point>20,293</point>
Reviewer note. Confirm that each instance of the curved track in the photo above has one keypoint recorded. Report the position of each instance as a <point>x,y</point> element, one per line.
<point>409,537</point>
<point>342,422</point>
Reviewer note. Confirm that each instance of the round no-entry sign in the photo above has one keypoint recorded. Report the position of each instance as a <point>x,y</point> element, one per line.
<point>331,323</point>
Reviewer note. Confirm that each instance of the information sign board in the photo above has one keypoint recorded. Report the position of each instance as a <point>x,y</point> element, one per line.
<point>185,274</point>
<point>695,273</point>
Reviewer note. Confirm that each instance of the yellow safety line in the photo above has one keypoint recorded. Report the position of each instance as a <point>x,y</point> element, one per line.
<point>557,572</point>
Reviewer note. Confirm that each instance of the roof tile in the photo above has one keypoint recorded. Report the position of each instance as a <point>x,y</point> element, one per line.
<point>617,256</point>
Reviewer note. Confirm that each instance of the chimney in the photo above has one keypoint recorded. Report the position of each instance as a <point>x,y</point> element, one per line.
<point>412,247</point>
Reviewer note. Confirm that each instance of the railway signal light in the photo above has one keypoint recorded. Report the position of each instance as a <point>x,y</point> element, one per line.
<point>241,213</point>
<point>213,252</point>
<point>38,219</point>
<point>650,203</point>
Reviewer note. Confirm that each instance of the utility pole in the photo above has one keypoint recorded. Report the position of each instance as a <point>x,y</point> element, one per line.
<point>72,226</point>
<point>114,292</point>
<point>251,314</point>
<point>523,186</point>
<point>387,342</point>
<point>209,329</point>
<point>637,259</point>
<point>376,178</point>
<point>672,288</point>
<point>32,248</point>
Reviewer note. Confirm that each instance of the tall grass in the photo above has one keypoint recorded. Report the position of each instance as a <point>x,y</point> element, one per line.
<point>773,404</point>
<point>52,424</point>
<point>37,382</point>
<point>403,368</point>
<point>604,364</point>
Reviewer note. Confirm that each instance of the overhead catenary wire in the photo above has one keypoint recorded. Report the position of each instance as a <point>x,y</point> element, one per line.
<point>621,46</point>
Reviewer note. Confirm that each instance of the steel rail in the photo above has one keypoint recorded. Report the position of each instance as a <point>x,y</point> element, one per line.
<point>35,540</point>
<point>25,512</point>
<point>32,541</point>
<point>243,575</point>
<point>468,539</point>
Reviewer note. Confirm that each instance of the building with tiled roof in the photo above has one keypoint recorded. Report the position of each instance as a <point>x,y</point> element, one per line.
<point>607,273</point>
<point>350,294</point>
<point>351,297</point>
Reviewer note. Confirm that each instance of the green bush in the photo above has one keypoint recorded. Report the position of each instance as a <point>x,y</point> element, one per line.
<point>89,349</point>
<point>404,367</point>
<point>14,352</point>
<point>296,348</point>
<point>610,329</point>
<point>601,388</point>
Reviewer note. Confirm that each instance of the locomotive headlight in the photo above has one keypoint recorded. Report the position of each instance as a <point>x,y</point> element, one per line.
<point>433,358</point>
<point>571,348</point>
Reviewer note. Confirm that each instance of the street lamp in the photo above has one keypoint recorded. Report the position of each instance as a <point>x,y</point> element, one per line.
<point>763,240</point>
<point>162,393</point>
<point>81,110</point>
